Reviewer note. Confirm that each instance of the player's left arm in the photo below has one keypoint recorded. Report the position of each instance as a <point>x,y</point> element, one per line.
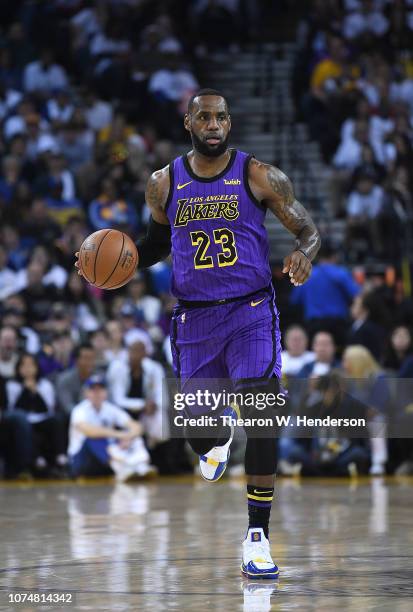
<point>274,189</point>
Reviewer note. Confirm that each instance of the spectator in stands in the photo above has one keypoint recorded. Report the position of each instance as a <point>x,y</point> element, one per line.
<point>39,226</point>
<point>148,306</point>
<point>159,37</point>
<point>111,210</point>
<point>356,155</point>
<point>100,342</point>
<point>8,278</point>
<point>54,274</point>
<point>14,315</point>
<point>38,298</point>
<point>69,384</point>
<point>327,295</point>
<point>349,153</point>
<point>171,87</point>
<point>399,348</point>
<point>328,451</point>
<point>86,309</point>
<point>98,113</point>
<point>13,189</point>
<point>130,318</point>
<point>35,396</point>
<point>295,356</point>
<point>9,353</point>
<point>116,348</point>
<point>43,75</point>
<point>136,385</point>
<point>109,50</point>
<point>75,142</point>
<point>114,139</point>
<point>57,355</point>
<point>369,166</point>
<point>103,438</point>
<point>366,329</point>
<point>368,385</point>
<point>17,251</point>
<point>60,108</point>
<point>324,360</point>
<point>74,232</point>
<point>366,25</point>
<point>364,207</point>
<point>58,188</point>
<point>331,79</point>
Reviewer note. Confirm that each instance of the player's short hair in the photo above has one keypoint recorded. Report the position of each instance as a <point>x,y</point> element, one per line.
<point>205,92</point>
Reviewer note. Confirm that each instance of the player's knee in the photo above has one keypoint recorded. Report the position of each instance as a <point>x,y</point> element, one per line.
<point>200,439</point>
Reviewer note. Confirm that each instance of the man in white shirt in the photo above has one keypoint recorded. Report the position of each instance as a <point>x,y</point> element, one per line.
<point>295,356</point>
<point>103,438</point>
<point>137,385</point>
<point>44,75</point>
<point>324,356</point>
<point>366,201</point>
<point>98,113</point>
<point>172,84</point>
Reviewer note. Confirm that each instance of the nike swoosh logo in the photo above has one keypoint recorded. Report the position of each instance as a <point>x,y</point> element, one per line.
<point>256,303</point>
<point>184,185</point>
<point>261,492</point>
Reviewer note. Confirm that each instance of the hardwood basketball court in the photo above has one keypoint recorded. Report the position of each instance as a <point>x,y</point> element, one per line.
<point>174,544</point>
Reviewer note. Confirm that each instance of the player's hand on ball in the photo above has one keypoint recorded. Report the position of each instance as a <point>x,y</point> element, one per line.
<point>298,267</point>
<point>77,265</point>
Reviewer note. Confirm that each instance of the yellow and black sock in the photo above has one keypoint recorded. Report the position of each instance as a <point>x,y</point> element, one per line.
<point>259,506</point>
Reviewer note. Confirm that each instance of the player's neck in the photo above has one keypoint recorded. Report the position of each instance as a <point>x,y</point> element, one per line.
<point>205,166</point>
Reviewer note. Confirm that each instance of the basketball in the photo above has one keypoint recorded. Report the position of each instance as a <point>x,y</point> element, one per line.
<point>108,259</point>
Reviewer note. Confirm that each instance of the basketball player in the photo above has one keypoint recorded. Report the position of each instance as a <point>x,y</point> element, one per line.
<point>208,209</point>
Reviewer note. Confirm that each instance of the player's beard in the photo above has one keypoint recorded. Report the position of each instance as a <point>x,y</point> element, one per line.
<point>209,150</point>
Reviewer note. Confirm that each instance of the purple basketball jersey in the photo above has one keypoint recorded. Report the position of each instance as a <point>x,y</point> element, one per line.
<point>219,242</point>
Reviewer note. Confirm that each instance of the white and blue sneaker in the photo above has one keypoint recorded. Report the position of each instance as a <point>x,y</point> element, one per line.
<point>213,464</point>
<point>256,556</point>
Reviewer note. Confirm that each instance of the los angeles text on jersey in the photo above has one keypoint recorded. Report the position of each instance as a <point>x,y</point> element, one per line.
<point>223,206</point>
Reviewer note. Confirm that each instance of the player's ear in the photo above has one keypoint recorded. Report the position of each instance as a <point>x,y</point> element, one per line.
<point>229,122</point>
<point>187,122</point>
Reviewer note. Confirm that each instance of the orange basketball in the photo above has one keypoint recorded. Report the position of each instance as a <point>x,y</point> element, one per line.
<point>108,259</point>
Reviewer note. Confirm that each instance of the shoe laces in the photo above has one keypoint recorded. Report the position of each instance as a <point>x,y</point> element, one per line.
<point>261,552</point>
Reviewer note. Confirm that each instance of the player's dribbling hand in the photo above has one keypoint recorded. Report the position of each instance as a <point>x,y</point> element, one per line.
<point>298,267</point>
<point>77,265</point>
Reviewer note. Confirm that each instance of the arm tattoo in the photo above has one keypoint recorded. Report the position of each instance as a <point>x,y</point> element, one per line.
<point>153,192</point>
<point>280,184</point>
<point>292,214</point>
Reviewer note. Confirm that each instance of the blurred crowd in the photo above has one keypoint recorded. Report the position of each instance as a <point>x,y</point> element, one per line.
<point>357,99</point>
<point>92,96</point>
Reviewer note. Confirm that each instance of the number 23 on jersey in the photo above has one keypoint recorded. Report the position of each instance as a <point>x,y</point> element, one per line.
<point>223,236</point>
